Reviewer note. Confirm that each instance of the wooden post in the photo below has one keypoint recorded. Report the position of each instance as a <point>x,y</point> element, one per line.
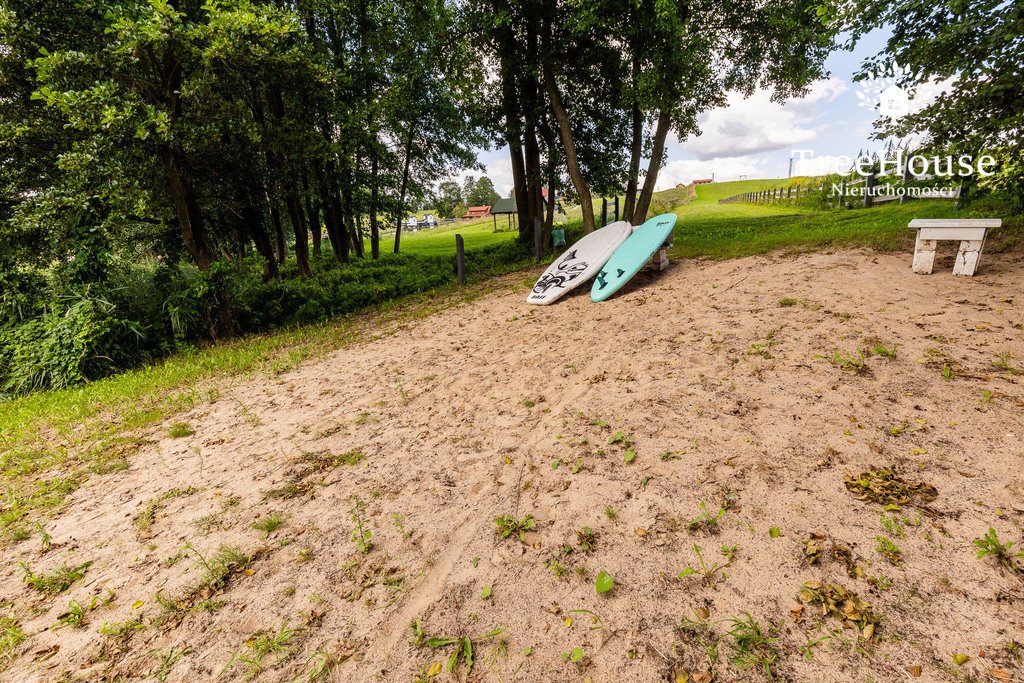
<point>869,183</point>
<point>495,217</point>
<point>616,208</point>
<point>460,259</point>
<point>604,211</point>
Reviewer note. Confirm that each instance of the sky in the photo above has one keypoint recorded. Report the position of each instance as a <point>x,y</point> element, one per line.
<point>755,137</point>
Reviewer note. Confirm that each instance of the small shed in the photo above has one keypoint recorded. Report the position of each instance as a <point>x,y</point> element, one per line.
<point>505,207</point>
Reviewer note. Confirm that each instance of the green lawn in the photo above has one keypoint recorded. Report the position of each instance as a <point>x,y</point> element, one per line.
<point>709,229</point>
<point>440,241</point>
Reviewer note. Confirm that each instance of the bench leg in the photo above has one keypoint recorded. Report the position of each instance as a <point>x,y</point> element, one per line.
<point>924,256</point>
<point>967,258</point>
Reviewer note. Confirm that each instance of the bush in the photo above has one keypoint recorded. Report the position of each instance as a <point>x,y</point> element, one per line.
<point>150,309</point>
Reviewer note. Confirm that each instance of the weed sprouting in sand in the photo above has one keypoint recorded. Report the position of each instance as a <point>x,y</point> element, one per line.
<point>990,546</point>
<point>56,582</point>
<point>462,654</point>
<point>165,662</point>
<point>219,567</point>
<point>269,524</point>
<point>11,636</point>
<point>706,572</point>
<point>889,550</point>
<point>850,362</point>
<point>754,646</point>
<point>611,513</point>
<point>705,521</point>
<point>509,525</point>
<point>179,430</point>
<point>361,534</point>
<point>260,646</point>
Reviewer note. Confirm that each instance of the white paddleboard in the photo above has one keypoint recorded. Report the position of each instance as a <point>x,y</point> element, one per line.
<point>579,263</point>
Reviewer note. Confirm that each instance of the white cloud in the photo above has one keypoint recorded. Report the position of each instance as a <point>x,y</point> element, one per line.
<point>756,124</point>
<point>725,168</point>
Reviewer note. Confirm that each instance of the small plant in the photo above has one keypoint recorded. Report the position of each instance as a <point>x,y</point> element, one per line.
<point>882,350</point>
<point>611,513</point>
<point>990,546</point>
<point>261,645</point>
<point>167,661</point>
<point>486,591</point>
<point>947,372</point>
<point>75,617</point>
<point>586,539</point>
<point>1002,362</point>
<point>11,636</point>
<point>219,567</point>
<point>666,456</point>
<point>753,645</point>
<point>464,650</point>
<point>57,582</point>
<point>705,521</point>
<point>702,569</point>
<point>604,582</point>
<point>730,552</point>
<point>851,363</point>
<point>887,549</point>
<point>179,430</point>
<point>555,566</point>
<point>269,525</point>
<point>361,534</point>
<point>399,522</point>
<point>529,403</point>
<point>786,302</point>
<point>575,655</point>
<point>509,525</point>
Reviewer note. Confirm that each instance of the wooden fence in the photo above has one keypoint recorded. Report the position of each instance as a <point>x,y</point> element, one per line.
<point>849,192</point>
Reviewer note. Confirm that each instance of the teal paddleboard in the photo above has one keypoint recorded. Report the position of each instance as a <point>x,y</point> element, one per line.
<point>629,258</point>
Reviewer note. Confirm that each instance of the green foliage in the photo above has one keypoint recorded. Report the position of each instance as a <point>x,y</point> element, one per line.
<point>361,533</point>
<point>604,582</point>
<point>754,646</point>
<point>509,525</point>
<point>56,582</point>
<point>11,636</point>
<point>990,546</point>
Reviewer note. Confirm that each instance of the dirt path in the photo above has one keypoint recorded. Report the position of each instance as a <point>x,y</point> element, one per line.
<point>718,379</point>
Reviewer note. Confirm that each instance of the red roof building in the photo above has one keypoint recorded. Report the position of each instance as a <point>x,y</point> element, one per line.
<point>478,212</point>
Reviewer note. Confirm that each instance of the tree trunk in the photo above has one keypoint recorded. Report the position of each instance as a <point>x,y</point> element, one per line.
<point>186,207</point>
<point>644,203</point>
<point>252,215</point>
<point>565,132</point>
<point>275,221</point>
<point>405,183</point>
<point>636,150</point>
<point>374,229</point>
<point>299,228</point>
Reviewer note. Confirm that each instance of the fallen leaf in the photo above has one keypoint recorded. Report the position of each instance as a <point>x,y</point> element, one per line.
<point>960,659</point>
<point>914,670</point>
<point>138,603</point>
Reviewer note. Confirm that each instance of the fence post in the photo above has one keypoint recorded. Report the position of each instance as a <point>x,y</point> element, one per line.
<point>616,206</point>
<point>604,211</point>
<point>460,259</point>
<point>869,183</point>
<point>906,177</point>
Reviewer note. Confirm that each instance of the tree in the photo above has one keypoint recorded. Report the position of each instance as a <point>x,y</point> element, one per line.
<point>447,197</point>
<point>975,50</point>
<point>483,193</point>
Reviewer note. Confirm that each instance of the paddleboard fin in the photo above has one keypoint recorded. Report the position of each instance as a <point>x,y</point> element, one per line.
<point>600,279</point>
<point>621,272</point>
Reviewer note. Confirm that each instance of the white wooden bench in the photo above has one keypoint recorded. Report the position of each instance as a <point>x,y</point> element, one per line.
<point>970,231</point>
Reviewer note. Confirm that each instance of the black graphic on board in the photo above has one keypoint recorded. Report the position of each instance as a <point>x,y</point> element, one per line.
<point>565,272</point>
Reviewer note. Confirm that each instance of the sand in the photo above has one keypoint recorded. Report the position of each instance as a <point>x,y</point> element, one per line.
<point>718,394</point>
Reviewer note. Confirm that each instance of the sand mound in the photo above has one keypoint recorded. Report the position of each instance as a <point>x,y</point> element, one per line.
<point>764,410</point>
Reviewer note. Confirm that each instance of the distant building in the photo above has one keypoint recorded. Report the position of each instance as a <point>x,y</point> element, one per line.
<point>703,181</point>
<point>478,212</point>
